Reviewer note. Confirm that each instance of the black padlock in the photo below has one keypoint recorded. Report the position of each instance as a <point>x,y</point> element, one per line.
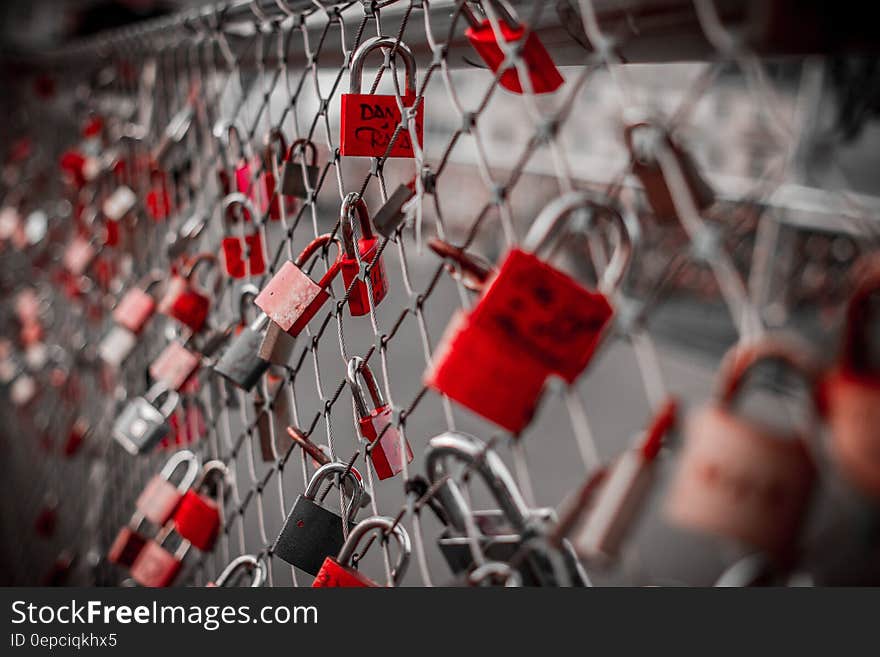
<point>241,364</point>
<point>292,182</point>
<point>312,532</point>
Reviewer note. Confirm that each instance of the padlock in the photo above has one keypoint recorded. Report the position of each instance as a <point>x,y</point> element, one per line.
<point>141,425</point>
<point>311,532</point>
<point>469,268</point>
<point>198,518</point>
<point>273,201</point>
<point>247,564</point>
<point>158,200</point>
<point>369,121</point>
<point>156,504</point>
<point>392,212</point>
<point>155,566</point>
<point>183,300</point>
<point>644,140</point>
<point>365,252</point>
<point>387,453</point>
<point>175,366</point>
<point>737,478</point>
<point>242,254</point>
<point>601,523</point>
<point>243,164</point>
<point>512,530</point>
<point>265,412</point>
<point>544,76</point>
<point>851,390</point>
<point>295,182</point>
<point>241,364</point>
<point>320,457</point>
<point>137,305</point>
<point>338,572</point>
<point>277,345</point>
<point>531,321</point>
<point>291,298</point>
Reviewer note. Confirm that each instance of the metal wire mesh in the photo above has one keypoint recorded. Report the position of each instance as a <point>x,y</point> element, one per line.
<point>491,161</point>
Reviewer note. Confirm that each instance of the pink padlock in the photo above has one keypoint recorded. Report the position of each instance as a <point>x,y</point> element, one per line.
<point>175,365</point>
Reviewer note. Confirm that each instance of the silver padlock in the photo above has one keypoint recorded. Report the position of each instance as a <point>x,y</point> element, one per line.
<point>143,422</point>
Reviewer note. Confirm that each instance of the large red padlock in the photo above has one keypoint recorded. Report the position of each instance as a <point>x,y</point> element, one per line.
<point>369,121</point>
<point>183,300</point>
<point>338,572</point>
<point>198,517</point>
<point>386,453</point>
<point>242,254</point>
<point>365,252</point>
<point>851,390</point>
<point>740,479</point>
<point>544,76</point>
<point>291,298</point>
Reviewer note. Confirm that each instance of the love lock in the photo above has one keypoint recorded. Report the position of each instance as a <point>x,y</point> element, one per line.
<point>198,518</point>
<point>242,254</point>
<point>300,177</point>
<point>142,424</point>
<point>183,299</point>
<point>241,364</point>
<point>365,252</point>
<point>338,572</point>
<point>130,316</point>
<point>369,121</point>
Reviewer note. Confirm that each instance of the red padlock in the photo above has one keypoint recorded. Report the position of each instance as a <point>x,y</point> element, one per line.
<point>291,298</point>
<point>544,76</point>
<point>388,454</point>
<point>365,252</point>
<point>198,518</point>
<point>369,121</point>
<point>851,390</point>
<point>175,365</point>
<point>183,300</point>
<point>338,572</point>
<point>137,305</point>
<point>158,200</point>
<point>740,479</point>
<point>156,566</point>
<point>273,201</point>
<point>242,254</point>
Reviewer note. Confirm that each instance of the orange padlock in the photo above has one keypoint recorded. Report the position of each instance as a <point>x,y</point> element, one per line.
<point>738,478</point>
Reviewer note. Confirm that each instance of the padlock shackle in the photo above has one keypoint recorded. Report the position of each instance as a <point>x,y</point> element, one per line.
<point>742,359</point>
<point>159,391</point>
<point>304,145</point>
<point>246,296</point>
<point>475,454</point>
<point>224,129</point>
<point>386,526</point>
<point>209,471</point>
<point>237,198</point>
<point>248,562</point>
<point>192,264</point>
<point>360,55</point>
<point>177,459</point>
<point>336,468</point>
<point>500,9</point>
<point>273,137</point>
<point>550,224</point>
<point>867,283</point>
<point>357,365</point>
<point>475,271</point>
<point>353,203</point>
<point>318,243</point>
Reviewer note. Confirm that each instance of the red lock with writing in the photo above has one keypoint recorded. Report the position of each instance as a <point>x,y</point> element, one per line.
<point>369,121</point>
<point>365,252</point>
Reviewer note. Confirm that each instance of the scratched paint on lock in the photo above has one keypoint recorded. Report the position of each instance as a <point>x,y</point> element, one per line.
<point>287,295</point>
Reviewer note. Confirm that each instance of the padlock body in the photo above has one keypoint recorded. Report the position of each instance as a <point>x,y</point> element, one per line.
<point>387,456</point>
<point>333,575</point>
<point>539,310</point>
<point>292,182</point>
<point>470,362</point>
<point>134,309</point>
<point>657,192</point>
<point>235,263</point>
<point>174,366</point>
<point>291,298</point>
<point>241,364</point>
<point>140,426</point>
<point>116,346</point>
<point>543,73</point>
<point>185,304</point>
<point>359,297</point>
<point>310,534</point>
<point>197,519</point>
<point>155,566</point>
<point>126,547</point>
<point>368,122</point>
<point>277,345</point>
<point>741,482</point>
<point>853,409</point>
<point>158,501</point>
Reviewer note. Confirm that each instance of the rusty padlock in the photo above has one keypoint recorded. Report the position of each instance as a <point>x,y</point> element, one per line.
<point>376,426</point>
<point>291,298</point>
<point>365,251</point>
<point>184,300</point>
<point>242,254</point>
<point>738,478</point>
<point>544,76</point>
<point>851,390</point>
<point>369,121</point>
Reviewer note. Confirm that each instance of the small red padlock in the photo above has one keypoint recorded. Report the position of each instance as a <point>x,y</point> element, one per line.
<point>198,518</point>
<point>242,254</point>
<point>388,455</point>
<point>137,305</point>
<point>369,121</point>
<point>851,391</point>
<point>156,566</point>
<point>338,572</point>
<point>273,201</point>
<point>183,300</point>
<point>544,76</point>
<point>365,252</point>
<point>737,478</point>
<point>175,365</point>
<point>291,298</point>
